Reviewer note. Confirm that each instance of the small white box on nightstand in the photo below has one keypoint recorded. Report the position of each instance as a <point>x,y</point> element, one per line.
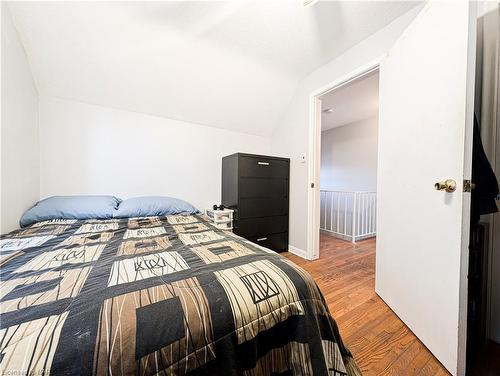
<point>222,219</point>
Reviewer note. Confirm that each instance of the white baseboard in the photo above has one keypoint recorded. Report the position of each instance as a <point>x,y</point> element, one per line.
<point>298,252</point>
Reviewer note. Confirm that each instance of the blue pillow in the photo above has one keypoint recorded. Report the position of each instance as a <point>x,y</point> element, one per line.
<point>71,207</point>
<point>148,206</point>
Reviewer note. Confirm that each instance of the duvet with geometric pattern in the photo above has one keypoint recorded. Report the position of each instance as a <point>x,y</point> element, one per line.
<point>158,295</point>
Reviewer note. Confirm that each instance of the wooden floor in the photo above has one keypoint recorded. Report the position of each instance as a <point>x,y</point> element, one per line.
<point>378,339</point>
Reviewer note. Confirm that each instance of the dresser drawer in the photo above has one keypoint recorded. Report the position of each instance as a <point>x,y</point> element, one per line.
<point>276,242</point>
<point>262,207</point>
<point>263,167</point>
<point>263,187</point>
<point>252,227</point>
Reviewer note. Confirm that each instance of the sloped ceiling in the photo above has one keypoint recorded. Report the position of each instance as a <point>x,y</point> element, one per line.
<point>233,65</point>
<point>353,102</point>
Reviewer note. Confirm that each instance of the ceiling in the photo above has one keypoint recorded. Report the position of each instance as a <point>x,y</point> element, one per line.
<point>358,100</point>
<point>232,65</point>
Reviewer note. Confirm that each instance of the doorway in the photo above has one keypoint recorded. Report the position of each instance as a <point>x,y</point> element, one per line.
<point>348,161</point>
<point>348,167</point>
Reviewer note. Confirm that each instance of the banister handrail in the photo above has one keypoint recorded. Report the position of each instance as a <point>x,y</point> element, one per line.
<point>343,191</point>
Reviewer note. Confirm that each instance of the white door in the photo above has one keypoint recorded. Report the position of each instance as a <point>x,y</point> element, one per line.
<point>425,125</point>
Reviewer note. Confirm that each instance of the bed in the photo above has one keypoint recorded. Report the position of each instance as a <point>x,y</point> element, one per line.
<point>167,295</point>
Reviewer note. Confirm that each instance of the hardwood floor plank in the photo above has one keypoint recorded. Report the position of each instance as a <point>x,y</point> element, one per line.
<point>378,339</point>
<point>404,360</point>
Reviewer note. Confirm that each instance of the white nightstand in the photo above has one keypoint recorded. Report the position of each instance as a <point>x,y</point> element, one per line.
<point>222,219</point>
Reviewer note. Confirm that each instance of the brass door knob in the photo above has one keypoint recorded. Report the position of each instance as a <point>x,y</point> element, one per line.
<point>448,185</point>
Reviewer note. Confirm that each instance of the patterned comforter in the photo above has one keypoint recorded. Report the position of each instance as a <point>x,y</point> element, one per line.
<point>158,295</point>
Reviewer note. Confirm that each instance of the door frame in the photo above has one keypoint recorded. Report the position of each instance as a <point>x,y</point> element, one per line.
<point>313,191</point>
<point>466,198</point>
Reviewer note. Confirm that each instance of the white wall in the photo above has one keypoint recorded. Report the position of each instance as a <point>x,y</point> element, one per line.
<point>88,149</point>
<point>291,138</point>
<point>20,174</point>
<point>349,157</point>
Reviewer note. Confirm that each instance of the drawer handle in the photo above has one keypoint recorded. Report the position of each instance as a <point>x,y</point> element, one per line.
<point>261,239</point>
<point>263,163</point>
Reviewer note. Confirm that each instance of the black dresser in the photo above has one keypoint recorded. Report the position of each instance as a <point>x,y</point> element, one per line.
<point>256,187</point>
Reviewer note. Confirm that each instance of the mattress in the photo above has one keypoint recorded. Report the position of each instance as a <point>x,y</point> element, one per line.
<point>159,295</point>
